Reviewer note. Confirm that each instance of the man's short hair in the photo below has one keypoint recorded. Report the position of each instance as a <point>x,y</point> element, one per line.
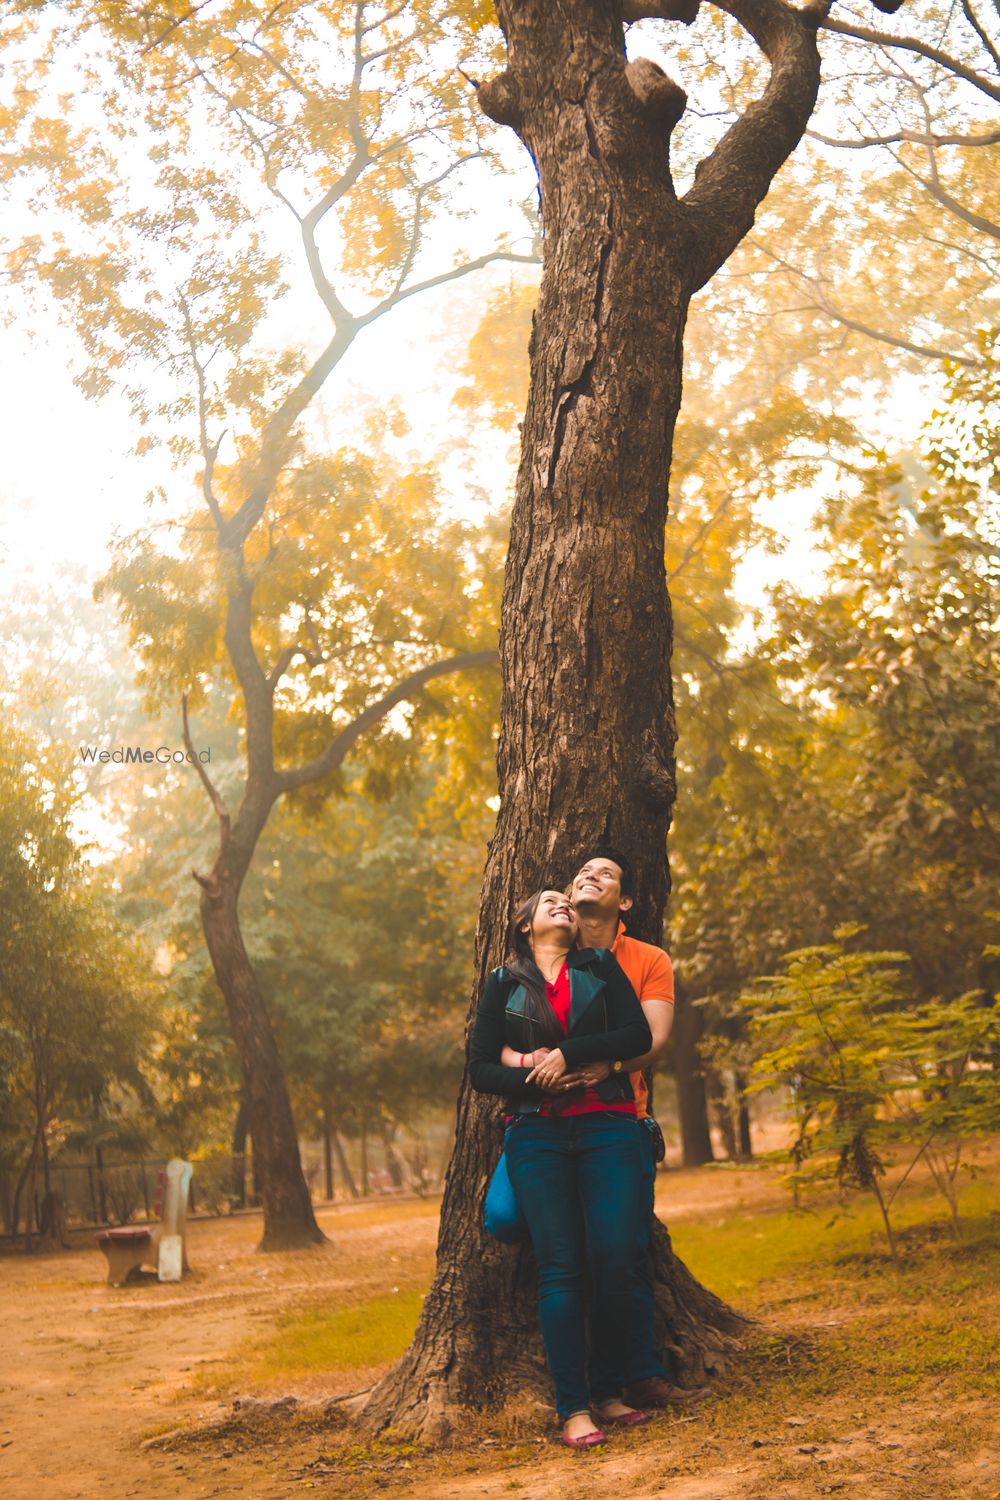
<point>608,851</point>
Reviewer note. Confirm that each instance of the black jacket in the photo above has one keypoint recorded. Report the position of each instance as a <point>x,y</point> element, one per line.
<point>606,1022</point>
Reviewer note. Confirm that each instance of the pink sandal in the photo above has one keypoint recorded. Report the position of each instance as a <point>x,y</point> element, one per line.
<point>627,1419</point>
<point>588,1440</point>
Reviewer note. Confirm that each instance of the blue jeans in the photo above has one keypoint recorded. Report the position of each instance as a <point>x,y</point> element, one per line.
<point>505,1221</point>
<point>578,1180</point>
<point>642,1359</point>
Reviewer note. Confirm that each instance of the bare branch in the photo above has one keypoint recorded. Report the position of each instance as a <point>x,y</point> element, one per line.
<point>932,185</point>
<point>273,446</point>
<point>443,278</point>
<point>918,138</point>
<point>209,450</point>
<point>215,797</point>
<point>915,45</point>
<point>823,304</point>
<point>390,15</point>
<point>338,748</point>
<point>980,31</point>
<point>178,21</point>
<point>418,213</point>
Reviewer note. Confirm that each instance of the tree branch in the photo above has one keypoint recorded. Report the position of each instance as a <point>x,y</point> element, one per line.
<point>442,279</point>
<point>209,450</point>
<point>918,138</point>
<point>735,178</point>
<point>215,796</point>
<point>980,31</point>
<point>932,186</point>
<point>273,445</point>
<point>178,21</point>
<point>824,305</point>
<point>914,44</point>
<point>333,756</point>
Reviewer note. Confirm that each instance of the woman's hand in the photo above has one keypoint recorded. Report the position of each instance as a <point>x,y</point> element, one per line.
<point>512,1059</point>
<point>549,1071</point>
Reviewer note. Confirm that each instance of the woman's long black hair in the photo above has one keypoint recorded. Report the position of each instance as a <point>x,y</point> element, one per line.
<point>522,965</point>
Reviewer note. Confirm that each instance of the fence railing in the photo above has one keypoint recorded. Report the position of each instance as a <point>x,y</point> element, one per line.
<point>114,1193</point>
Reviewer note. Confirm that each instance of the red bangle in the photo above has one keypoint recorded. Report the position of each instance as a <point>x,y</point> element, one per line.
<point>523,1064</point>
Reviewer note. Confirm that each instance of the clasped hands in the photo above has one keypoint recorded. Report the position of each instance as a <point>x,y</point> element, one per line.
<point>550,1073</point>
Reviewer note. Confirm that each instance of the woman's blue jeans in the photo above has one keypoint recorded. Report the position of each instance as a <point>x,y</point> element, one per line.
<point>578,1179</point>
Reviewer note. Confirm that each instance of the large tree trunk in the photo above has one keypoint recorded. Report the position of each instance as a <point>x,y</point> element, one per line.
<point>587,730</point>
<point>692,1103</point>
<point>289,1221</point>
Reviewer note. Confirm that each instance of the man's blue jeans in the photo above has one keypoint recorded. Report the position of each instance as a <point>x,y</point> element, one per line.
<point>642,1361</point>
<point>578,1179</point>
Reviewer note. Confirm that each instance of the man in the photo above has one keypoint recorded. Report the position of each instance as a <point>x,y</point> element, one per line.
<point>602,890</point>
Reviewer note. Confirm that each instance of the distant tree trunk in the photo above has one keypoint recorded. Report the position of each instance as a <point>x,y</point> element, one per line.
<point>6,1201</point>
<point>289,1221</point>
<point>396,1167</point>
<point>347,1176</point>
<point>25,1177</point>
<point>241,1128</point>
<point>327,1154</point>
<point>722,1115</point>
<point>743,1119</point>
<point>52,1223</point>
<point>365,1184</point>
<point>692,1104</point>
<point>102,1186</point>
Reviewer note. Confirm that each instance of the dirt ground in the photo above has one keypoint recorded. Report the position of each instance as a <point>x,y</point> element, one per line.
<point>94,1377</point>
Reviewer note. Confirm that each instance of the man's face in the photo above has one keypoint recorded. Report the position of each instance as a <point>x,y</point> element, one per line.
<point>597,888</point>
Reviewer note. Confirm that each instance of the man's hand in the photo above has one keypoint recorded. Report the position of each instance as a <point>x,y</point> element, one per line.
<point>595,1073</point>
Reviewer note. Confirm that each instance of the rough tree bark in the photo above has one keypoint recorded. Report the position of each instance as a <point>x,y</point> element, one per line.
<point>587,732</point>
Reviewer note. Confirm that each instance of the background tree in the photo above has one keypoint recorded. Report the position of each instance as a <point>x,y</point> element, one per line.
<point>851,785</point>
<point>327,134</point>
<point>76,991</point>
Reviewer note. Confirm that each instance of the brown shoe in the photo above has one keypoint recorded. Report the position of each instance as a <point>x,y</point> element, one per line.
<point>654,1394</point>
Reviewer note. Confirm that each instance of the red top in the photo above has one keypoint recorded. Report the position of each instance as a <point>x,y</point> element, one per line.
<point>590,1101</point>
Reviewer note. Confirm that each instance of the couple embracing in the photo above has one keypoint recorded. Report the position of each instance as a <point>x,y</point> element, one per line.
<point>563,1032</point>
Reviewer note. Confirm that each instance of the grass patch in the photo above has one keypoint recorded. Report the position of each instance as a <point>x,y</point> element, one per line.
<point>837,1316</point>
<point>319,1339</point>
<point>345,1338</point>
<point>738,1254</point>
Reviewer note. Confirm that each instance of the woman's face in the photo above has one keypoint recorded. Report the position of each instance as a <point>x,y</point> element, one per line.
<point>554,920</point>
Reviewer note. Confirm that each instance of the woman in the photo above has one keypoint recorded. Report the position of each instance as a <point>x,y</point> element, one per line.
<point>574,1153</point>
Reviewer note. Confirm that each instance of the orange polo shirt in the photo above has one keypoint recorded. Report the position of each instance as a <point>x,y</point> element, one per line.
<point>651,975</point>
